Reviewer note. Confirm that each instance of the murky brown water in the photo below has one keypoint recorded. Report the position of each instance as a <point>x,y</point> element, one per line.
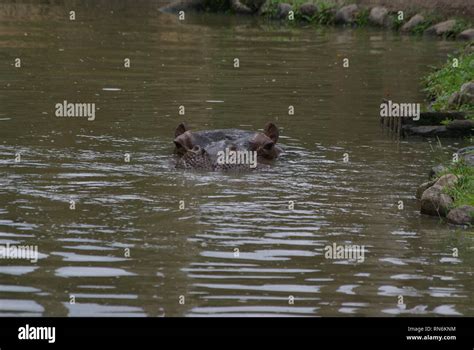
<point>190,252</point>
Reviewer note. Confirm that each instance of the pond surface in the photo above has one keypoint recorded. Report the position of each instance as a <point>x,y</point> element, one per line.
<point>129,250</point>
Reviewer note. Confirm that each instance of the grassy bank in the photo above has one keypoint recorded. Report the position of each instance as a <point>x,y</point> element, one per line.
<point>326,11</point>
<point>432,18</point>
<point>463,191</point>
<point>448,79</point>
<point>440,85</point>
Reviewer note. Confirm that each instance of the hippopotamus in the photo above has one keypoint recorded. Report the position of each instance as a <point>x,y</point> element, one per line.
<point>225,149</point>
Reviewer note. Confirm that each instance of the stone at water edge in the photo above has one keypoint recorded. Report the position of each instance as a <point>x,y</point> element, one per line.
<point>347,14</point>
<point>433,199</point>
<point>441,28</point>
<point>468,34</point>
<point>463,215</point>
<point>425,130</point>
<point>379,16</point>
<point>436,118</point>
<point>437,169</point>
<point>423,187</point>
<point>437,130</point>
<point>446,181</point>
<point>183,5</point>
<point>466,125</point>
<point>239,8</point>
<point>412,23</point>
<point>308,10</point>
<point>467,155</point>
<point>463,96</point>
<point>454,99</point>
<point>283,9</point>
<point>466,150</point>
<point>468,159</point>
<point>253,5</point>
<point>434,202</point>
<point>466,94</point>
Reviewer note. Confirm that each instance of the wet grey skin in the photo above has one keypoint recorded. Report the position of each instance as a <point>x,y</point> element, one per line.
<point>200,149</point>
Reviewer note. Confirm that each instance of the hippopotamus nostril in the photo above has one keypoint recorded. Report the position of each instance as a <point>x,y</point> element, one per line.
<point>196,149</point>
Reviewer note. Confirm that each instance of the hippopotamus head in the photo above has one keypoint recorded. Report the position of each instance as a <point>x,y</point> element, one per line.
<point>225,149</point>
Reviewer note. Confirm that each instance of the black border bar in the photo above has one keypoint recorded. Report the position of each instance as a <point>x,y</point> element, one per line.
<point>86,331</point>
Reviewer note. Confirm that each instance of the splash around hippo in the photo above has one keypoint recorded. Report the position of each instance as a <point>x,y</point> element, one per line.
<point>225,149</point>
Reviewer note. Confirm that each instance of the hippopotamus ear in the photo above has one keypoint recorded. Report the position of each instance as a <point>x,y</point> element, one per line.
<point>180,129</point>
<point>271,131</point>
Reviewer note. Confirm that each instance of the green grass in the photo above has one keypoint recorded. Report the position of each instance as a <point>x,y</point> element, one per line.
<point>396,23</point>
<point>463,191</point>
<point>324,14</point>
<point>430,19</point>
<point>362,19</point>
<point>443,82</point>
<point>460,26</point>
<point>446,122</point>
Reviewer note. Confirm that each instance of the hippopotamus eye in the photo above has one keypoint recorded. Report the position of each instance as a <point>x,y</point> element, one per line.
<point>178,144</point>
<point>268,146</point>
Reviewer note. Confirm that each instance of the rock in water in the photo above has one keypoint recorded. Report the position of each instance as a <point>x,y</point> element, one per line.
<point>379,16</point>
<point>437,169</point>
<point>412,23</point>
<point>466,150</point>
<point>347,14</point>
<point>442,28</point>
<point>463,215</point>
<point>468,34</point>
<point>435,202</point>
<point>467,155</point>
<point>425,130</point>
<point>461,125</point>
<point>253,5</point>
<point>454,99</point>
<point>283,10</point>
<point>308,10</point>
<point>446,181</point>
<point>183,5</point>
<point>466,95</point>
<point>423,187</point>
